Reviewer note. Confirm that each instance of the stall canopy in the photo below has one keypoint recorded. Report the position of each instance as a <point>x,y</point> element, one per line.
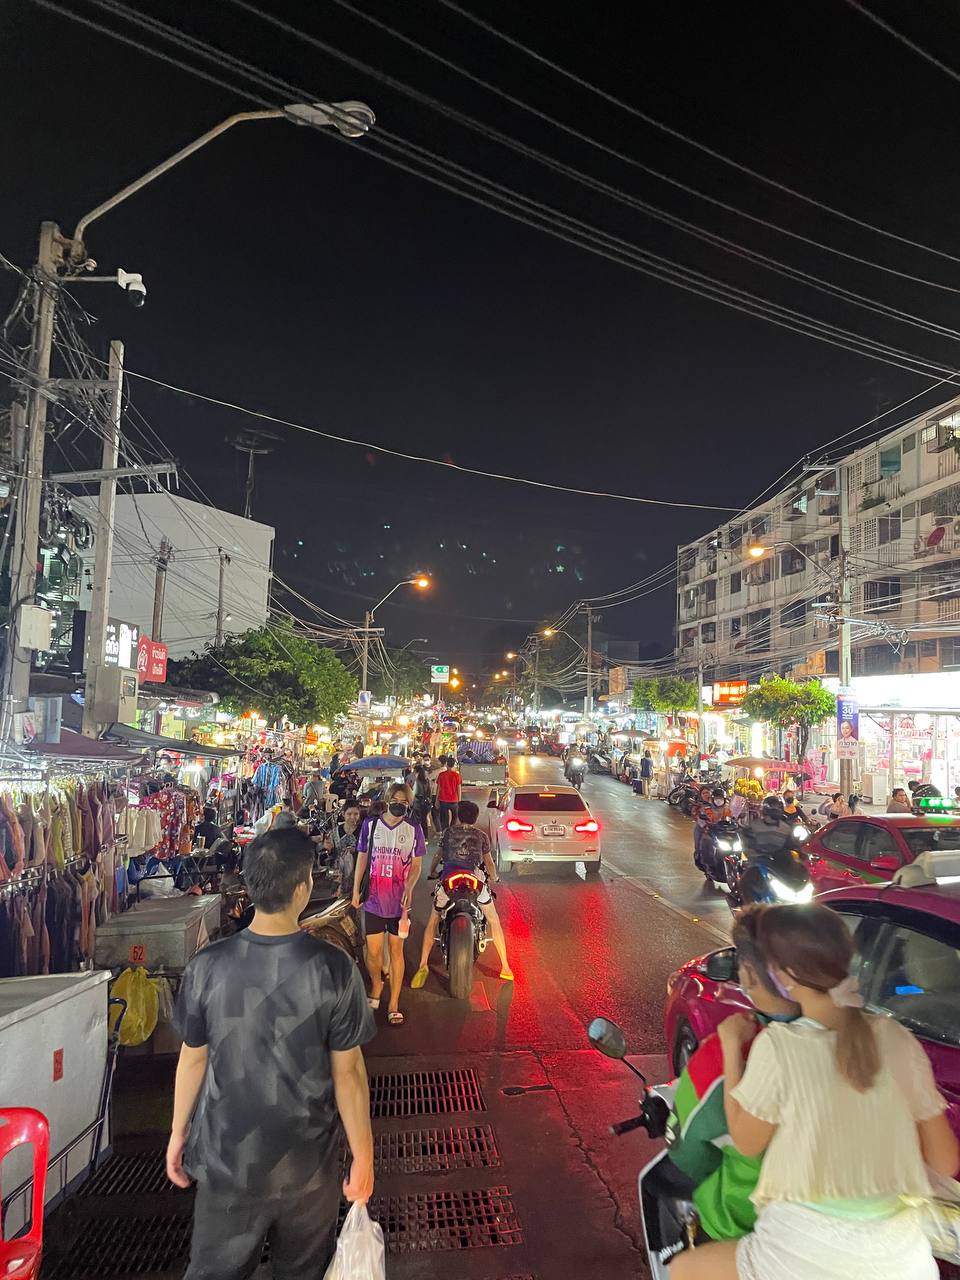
<point>157,742</point>
<point>378,762</point>
<point>75,748</point>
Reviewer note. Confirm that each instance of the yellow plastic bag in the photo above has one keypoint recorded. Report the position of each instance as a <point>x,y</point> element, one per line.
<point>143,1006</point>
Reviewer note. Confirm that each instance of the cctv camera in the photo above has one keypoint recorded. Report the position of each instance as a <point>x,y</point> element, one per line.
<point>133,283</point>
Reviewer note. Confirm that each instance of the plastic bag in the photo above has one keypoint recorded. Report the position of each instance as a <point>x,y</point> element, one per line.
<point>360,1252</point>
<point>143,1006</point>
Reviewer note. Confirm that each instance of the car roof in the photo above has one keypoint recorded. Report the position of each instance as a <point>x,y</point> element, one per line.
<point>547,789</point>
<point>906,819</point>
<point>941,900</point>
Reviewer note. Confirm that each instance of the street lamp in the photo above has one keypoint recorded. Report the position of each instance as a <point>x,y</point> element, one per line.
<point>59,258</point>
<point>421,582</point>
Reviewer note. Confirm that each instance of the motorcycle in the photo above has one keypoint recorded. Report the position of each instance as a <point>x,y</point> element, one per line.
<point>685,794</point>
<point>719,842</point>
<point>575,771</point>
<point>463,928</point>
<point>599,762</point>
<point>667,1216</point>
<point>769,869</point>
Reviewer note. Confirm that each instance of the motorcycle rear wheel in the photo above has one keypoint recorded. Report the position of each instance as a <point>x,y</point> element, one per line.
<point>675,797</point>
<point>460,952</point>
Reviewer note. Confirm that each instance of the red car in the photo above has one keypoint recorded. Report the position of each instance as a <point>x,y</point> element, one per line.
<point>907,961</point>
<point>866,848</point>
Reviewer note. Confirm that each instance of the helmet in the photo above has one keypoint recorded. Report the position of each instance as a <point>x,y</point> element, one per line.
<point>772,808</point>
<point>718,793</point>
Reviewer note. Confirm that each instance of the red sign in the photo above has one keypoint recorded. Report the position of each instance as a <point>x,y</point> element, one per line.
<point>137,953</point>
<point>151,660</point>
<point>729,693</point>
<point>58,1064</point>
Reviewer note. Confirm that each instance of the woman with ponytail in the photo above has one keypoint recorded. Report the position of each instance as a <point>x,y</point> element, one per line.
<point>844,1106</point>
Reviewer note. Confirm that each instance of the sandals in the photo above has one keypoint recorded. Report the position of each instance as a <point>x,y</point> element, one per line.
<point>395,1019</point>
<point>373,1003</point>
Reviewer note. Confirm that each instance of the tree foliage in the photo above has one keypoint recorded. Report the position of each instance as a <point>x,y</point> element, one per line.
<point>408,674</point>
<point>788,703</point>
<point>272,671</point>
<point>669,695</point>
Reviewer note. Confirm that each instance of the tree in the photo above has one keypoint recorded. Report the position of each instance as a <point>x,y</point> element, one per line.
<point>273,671</point>
<point>407,675</point>
<point>668,695</point>
<point>789,704</point>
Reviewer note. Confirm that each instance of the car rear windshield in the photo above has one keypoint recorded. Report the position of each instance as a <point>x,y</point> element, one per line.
<point>548,802</point>
<point>930,839</point>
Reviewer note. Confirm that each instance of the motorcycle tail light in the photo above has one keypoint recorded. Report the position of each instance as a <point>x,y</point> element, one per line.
<point>461,880</point>
<point>515,826</point>
<point>588,828</point>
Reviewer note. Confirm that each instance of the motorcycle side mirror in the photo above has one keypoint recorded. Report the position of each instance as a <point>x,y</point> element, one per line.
<point>722,966</point>
<point>608,1038</point>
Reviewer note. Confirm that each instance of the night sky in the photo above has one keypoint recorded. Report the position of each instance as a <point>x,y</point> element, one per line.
<point>305,277</point>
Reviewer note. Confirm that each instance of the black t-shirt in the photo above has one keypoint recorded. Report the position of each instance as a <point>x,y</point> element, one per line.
<point>208,831</point>
<point>270,1011</point>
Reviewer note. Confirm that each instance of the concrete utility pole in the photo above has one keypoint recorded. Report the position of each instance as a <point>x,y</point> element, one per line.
<point>103,563</point>
<point>163,559</point>
<point>224,561</point>
<point>588,699</point>
<point>23,572</point>
<point>845,664</point>
<point>255,444</point>
<point>536,676</point>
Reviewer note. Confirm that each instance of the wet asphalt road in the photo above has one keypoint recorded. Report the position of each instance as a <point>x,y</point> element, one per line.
<point>579,948</point>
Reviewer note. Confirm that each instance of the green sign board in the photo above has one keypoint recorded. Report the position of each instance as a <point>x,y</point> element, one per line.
<point>439,675</point>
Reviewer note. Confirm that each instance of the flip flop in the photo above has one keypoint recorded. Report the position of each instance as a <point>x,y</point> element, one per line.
<point>395,1019</point>
<point>420,978</point>
<point>373,1003</point>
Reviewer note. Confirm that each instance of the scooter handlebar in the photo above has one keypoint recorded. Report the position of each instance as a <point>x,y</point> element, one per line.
<point>627,1126</point>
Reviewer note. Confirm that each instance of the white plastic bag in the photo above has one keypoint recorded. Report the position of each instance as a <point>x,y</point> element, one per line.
<point>360,1252</point>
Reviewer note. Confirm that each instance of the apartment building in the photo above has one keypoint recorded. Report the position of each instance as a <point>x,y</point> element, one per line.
<point>760,594</point>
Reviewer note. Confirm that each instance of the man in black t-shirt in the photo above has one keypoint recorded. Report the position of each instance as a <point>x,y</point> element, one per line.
<point>272,1021</point>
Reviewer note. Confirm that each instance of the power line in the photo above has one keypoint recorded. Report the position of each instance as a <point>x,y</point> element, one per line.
<point>897,35</point>
<point>701,146</point>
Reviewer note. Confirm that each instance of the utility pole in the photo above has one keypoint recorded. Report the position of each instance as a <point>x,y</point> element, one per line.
<point>103,563</point>
<point>536,677</point>
<point>364,663</point>
<point>845,665</point>
<point>588,699</point>
<point>163,559</point>
<point>23,568</point>
<point>701,736</point>
<point>224,561</point>
<point>255,444</point>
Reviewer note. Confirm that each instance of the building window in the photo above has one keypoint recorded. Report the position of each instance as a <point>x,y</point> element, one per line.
<point>708,633</point>
<point>736,582</point>
<point>881,593</point>
<point>760,572</point>
<point>760,527</point>
<point>794,615</point>
<point>834,546</point>
<point>909,512</point>
<point>791,561</point>
<point>735,536</point>
<point>758,631</point>
<point>909,443</point>
<point>890,461</point>
<point>710,590</point>
<point>688,638</point>
<point>735,627</point>
<point>888,528</point>
<point>928,433</point>
<point>928,648</point>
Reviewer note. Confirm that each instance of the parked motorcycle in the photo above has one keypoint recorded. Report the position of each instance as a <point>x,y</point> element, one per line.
<point>685,794</point>
<point>463,929</point>
<point>599,762</point>
<point>667,1216</point>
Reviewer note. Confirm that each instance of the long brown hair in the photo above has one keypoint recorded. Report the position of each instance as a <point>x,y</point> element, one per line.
<point>811,944</point>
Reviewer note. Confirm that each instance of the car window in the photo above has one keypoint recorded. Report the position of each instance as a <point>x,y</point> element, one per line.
<point>917,981</point>
<point>878,842</point>
<point>842,838</point>
<point>863,931</point>
<point>924,839</point>
<point>548,802</point>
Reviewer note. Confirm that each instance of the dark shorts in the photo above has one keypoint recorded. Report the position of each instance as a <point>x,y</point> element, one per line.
<point>381,924</point>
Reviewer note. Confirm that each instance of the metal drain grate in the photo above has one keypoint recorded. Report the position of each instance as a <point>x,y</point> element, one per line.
<point>424,1093</point>
<point>445,1220</point>
<point>123,1247</point>
<point>128,1175</point>
<point>437,1150</point>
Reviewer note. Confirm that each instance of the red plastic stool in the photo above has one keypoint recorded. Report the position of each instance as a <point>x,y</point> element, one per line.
<point>20,1258</point>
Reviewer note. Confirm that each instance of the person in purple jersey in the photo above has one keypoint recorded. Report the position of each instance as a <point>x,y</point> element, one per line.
<point>392,846</point>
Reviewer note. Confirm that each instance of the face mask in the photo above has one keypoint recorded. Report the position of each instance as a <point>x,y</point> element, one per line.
<point>776,1017</point>
<point>398,810</point>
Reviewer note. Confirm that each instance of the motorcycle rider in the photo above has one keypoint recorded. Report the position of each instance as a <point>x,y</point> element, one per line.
<point>465,845</point>
<point>712,807</point>
<point>723,1179</point>
<point>771,829</point>
<point>575,769</point>
<point>792,808</point>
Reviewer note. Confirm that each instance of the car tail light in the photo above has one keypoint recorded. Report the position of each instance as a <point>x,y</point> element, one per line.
<point>461,880</point>
<point>515,826</point>
<point>588,828</point>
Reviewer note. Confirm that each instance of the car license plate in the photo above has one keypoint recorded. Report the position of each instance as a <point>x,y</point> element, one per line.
<point>553,829</point>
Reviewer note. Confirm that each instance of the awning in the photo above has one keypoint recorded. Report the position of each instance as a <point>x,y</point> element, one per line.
<point>157,742</point>
<point>75,748</point>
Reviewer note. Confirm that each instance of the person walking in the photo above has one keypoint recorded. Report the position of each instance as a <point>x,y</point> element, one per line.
<point>422,798</point>
<point>272,1022</point>
<point>844,1109</point>
<point>449,786</point>
<point>646,774</point>
<point>392,845</point>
